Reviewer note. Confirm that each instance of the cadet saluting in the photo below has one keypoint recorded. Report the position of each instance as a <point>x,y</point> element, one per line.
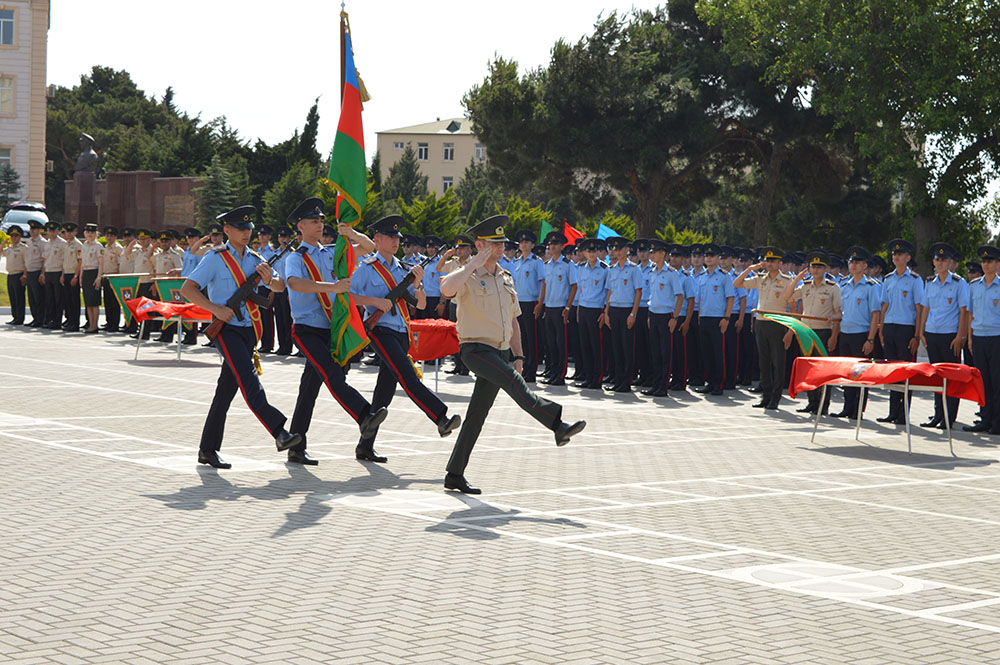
<point>490,346</point>
<point>222,271</point>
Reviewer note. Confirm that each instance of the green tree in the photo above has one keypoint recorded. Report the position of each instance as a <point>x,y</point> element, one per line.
<point>431,214</point>
<point>298,183</point>
<point>216,195</point>
<point>306,148</point>
<point>405,181</point>
<point>375,172</point>
<point>922,92</point>
<point>524,216</point>
<point>10,186</point>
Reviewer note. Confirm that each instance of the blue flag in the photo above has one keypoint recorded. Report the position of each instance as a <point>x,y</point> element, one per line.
<point>605,232</point>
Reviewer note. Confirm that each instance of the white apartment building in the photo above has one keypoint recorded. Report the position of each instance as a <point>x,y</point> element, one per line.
<point>444,148</point>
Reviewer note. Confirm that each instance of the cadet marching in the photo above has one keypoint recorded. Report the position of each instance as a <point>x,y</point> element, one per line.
<point>611,315</point>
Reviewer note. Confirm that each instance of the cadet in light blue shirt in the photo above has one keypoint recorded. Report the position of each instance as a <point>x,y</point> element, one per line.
<point>213,274</point>
<point>192,255</point>
<point>984,309</point>
<point>558,290</point>
<point>527,272</point>
<point>591,282</point>
<point>507,260</point>
<point>624,292</point>
<point>716,295</point>
<point>902,292</point>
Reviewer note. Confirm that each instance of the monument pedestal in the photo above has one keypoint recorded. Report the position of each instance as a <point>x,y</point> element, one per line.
<point>81,207</point>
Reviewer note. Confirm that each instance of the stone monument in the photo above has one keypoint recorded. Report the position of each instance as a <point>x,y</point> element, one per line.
<point>84,180</point>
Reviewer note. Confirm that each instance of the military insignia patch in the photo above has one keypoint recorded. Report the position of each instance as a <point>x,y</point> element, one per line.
<point>949,301</point>
<point>904,293</point>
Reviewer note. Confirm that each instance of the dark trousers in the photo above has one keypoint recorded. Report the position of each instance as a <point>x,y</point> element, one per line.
<point>771,351</point>
<point>939,351</point>
<point>713,352</point>
<point>643,367</point>
<point>112,310</point>
<point>267,319</point>
<point>987,353</point>
<point>495,372</point>
<point>395,367</point>
<point>555,333</point>
<point>732,356</point>
<point>430,311</point>
<point>144,290</point>
<point>695,366</point>
<point>747,353</point>
<point>36,297</point>
<point>53,299</point>
<point>528,324</point>
<point>320,369</point>
<point>622,346</point>
<point>236,346</point>
<point>850,345</point>
<point>897,340</point>
<point>573,339</point>
<point>679,356</point>
<point>15,289</point>
<point>591,362</point>
<point>71,302</point>
<point>660,351</point>
<point>282,322</point>
<point>815,395</point>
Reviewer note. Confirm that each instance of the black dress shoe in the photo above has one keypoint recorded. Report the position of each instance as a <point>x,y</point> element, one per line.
<point>659,392</point>
<point>716,392</point>
<point>978,427</point>
<point>901,420</point>
<point>34,324</point>
<point>762,403</point>
<point>564,431</point>
<point>772,405</point>
<point>448,425</point>
<point>455,482</point>
<point>369,424</point>
<point>286,440</point>
<point>211,458</point>
<point>91,332</point>
<point>809,408</point>
<point>556,382</point>
<point>453,370</point>
<point>933,422</point>
<point>701,390</point>
<point>580,384</point>
<point>301,457</point>
<point>755,390</point>
<point>647,392</point>
<point>891,418</point>
<point>370,456</point>
<point>623,388</point>
<point>371,361</point>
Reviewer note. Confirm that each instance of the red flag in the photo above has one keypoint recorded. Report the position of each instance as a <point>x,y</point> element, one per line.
<point>432,339</point>
<point>143,308</point>
<point>572,235</point>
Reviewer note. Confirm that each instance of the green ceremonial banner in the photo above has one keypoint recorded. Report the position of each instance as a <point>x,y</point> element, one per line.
<point>125,288</point>
<point>809,342</point>
<point>545,230</point>
<point>169,290</point>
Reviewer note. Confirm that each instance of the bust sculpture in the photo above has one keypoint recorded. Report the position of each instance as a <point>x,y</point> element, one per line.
<point>87,161</point>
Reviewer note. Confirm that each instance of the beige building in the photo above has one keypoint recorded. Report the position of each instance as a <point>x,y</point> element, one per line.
<point>444,149</point>
<point>24,29</point>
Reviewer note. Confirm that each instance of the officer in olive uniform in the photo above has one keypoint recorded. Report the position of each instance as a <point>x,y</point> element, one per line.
<point>821,309</point>
<point>941,323</point>
<point>220,272</point>
<point>34,260</point>
<point>70,279</point>
<point>902,292</point>
<point>111,265</point>
<point>14,250</point>
<point>490,345</point>
<point>51,275</point>
<point>770,284</point>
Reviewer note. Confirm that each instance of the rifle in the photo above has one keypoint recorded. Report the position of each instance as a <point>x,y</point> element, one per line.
<point>402,290</point>
<point>247,291</point>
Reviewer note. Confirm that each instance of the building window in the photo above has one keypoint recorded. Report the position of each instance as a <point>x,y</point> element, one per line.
<point>480,152</point>
<point>6,95</point>
<point>449,152</point>
<point>447,183</point>
<point>6,157</point>
<point>6,27</point>
<point>397,145</point>
<point>423,153</point>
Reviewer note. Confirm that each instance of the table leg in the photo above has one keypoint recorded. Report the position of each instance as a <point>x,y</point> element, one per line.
<point>822,401</point>
<point>861,410</point>
<point>138,342</point>
<point>947,421</point>
<point>906,415</point>
<point>180,335</point>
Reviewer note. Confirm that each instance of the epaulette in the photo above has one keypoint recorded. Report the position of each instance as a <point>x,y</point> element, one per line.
<point>603,263</point>
<point>219,249</point>
<point>253,253</point>
<point>370,259</point>
<point>303,249</point>
<point>829,281</point>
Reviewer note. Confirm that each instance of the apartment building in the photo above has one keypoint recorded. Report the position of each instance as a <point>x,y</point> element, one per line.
<point>444,148</point>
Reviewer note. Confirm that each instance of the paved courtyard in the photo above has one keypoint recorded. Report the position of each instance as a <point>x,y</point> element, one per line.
<point>690,531</point>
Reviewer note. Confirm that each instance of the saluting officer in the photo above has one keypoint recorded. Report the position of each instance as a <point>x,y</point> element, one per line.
<point>716,298</point>
<point>557,295</point>
<point>14,250</point>
<point>371,283</point>
<point>620,312</point>
<point>312,291</point>
<point>983,319</point>
<point>489,343</point>
<point>222,271</point>
<point>34,260</point>
<point>821,309</point>
<point>111,264</point>
<point>940,325</point>
<point>591,281</point>
<point>902,292</point>
<point>771,349</point>
<point>666,294</point>
<point>528,274</point>
<point>860,298</point>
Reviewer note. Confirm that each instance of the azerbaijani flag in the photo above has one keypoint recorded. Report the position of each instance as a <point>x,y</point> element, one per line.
<point>349,177</point>
<point>808,341</point>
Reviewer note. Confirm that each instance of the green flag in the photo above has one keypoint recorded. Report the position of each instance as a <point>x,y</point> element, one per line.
<point>544,231</point>
<point>809,342</point>
<point>125,288</point>
<point>169,290</point>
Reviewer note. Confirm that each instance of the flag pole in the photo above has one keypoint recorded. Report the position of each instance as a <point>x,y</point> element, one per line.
<point>343,50</point>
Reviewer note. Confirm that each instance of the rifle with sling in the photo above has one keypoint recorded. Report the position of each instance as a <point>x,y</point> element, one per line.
<point>247,291</point>
<point>402,290</point>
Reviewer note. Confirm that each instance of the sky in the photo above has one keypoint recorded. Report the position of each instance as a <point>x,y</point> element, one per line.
<point>262,64</point>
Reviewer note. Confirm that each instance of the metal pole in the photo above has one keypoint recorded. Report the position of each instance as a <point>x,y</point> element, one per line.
<point>906,413</point>
<point>343,52</point>
<point>947,420</point>
<point>138,342</point>
<point>861,410</point>
<point>822,401</point>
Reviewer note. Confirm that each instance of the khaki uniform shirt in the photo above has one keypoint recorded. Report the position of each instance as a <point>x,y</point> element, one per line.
<point>91,255</point>
<point>453,264</point>
<point>35,257</point>
<point>71,256</point>
<point>165,261</point>
<point>140,264</point>
<point>822,301</point>
<point>486,305</point>
<point>770,291</point>
<point>53,255</point>
<point>15,255</point>
<point>113,258</point>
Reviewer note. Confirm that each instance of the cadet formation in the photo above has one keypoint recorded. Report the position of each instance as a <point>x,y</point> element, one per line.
<point>611,315</point>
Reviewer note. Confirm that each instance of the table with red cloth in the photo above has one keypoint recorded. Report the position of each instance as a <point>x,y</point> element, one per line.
<point>431,339</point>
<point>952,379</point>
<point>144,308</point>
